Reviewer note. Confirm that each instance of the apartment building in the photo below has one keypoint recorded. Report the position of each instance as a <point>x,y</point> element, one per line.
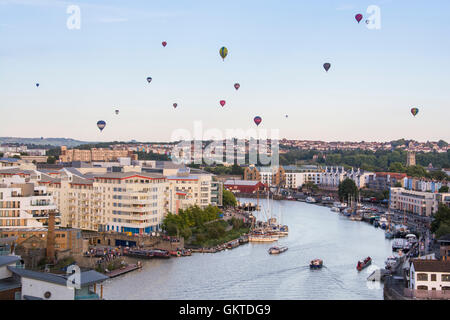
<point>417,202</point>
<point>95,154</point>
<point>24,205</point>
<point>186,189</point>
<point>101,199</point>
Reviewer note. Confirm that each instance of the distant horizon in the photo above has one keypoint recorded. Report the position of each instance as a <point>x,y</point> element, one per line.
<point>162,141</point>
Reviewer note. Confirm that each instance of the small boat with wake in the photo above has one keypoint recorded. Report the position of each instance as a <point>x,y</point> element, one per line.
<point>363,264</point>
<point>316,264</point>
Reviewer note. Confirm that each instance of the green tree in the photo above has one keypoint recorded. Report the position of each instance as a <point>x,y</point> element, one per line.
<point>228,199</point>
<point>441,218</point>
<point>397,167</point>
<point>443,189</point>
<point>51,160</point>
<point>416,171</point>
<point>347,189</point>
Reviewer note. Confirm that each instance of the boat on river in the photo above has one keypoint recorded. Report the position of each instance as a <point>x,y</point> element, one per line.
<point>316,264</point>
<point>310,200</point>
<point>277,250</point>
<point>363,264</point>
<point>262,237</point>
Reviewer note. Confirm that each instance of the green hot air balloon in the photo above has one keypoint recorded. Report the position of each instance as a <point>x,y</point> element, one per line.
<point>223,52</point>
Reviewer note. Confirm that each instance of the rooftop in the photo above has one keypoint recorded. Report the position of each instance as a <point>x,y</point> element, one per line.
<point>431,265</point>
<point>7,260</point>
<point>87,277</point>
<point>242,182</point>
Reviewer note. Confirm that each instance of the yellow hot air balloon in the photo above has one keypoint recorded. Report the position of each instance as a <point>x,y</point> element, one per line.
<point>223,52</point>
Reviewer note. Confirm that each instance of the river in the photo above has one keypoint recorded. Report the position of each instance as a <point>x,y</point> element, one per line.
<point>249,272</point>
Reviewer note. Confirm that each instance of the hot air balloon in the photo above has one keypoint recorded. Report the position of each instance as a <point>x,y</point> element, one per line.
<point>414,111</point>
<point>164,43</point>
<point>175,105</point>
<point>222,102</point>
<point>37,84</point>
<point>117,111</point>
<point>286,116</point>
<point>359,17</point>
<point>149,79</point>
<point>101,125</point>
<point>257,120</point>
<point>223,52</point>
<point>237,86</point>
<point>326,66</point>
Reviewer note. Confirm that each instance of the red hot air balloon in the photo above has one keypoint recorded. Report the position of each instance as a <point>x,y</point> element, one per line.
<point>359,17</point>
<point>222,102</point>
<point>175,105</point>
<point>257,120</point>
<point>164,43</point>
<point>237,86</point>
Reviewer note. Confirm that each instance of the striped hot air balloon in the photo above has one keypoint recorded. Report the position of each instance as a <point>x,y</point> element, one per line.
<point>414,111</point>
<point>223,52</point>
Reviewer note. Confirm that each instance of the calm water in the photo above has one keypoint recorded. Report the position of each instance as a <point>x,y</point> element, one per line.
<point>249,272</point>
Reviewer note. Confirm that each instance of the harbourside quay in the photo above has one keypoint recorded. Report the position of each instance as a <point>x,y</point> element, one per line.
<point>249,272</point>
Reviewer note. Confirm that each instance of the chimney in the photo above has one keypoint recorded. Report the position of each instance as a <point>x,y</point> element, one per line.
<point>51,237</point>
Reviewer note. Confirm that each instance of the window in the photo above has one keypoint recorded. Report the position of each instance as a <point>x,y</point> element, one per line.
<point>422,277</point>
<point>446,277</point>
<point>433,277</point>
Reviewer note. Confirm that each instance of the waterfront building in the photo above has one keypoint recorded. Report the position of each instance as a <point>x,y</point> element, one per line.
<point>423,184</point>
<point>186,189</point>
<point>429,275</point>
<point>292,177</point>
<point>417,202</point>
<point>384,180</point>
<point>244,186</point>
<point>251,173</point>
<point>65,238</point>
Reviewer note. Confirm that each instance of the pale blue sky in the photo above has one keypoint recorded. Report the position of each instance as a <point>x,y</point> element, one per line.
<point>276,53</point>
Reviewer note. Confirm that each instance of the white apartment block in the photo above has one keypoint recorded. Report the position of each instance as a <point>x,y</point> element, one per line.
<point>416,202</point>
<point>24,205</point>
<point>187,189</point>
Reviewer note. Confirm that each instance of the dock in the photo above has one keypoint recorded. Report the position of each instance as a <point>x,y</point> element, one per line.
<point>119,272</point>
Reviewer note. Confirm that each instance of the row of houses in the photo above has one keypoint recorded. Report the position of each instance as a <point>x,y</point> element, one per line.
<point>330,176</point>
<point>294,177</point>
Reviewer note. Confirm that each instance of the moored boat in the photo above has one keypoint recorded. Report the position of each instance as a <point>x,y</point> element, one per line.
<point>363,264</point>
<point>316,264</point>
<point>310,200</point>
<point>262,238</point>
<point>277,250</point>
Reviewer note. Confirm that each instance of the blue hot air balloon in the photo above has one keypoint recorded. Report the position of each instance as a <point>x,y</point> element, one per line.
<point>101,125</point>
